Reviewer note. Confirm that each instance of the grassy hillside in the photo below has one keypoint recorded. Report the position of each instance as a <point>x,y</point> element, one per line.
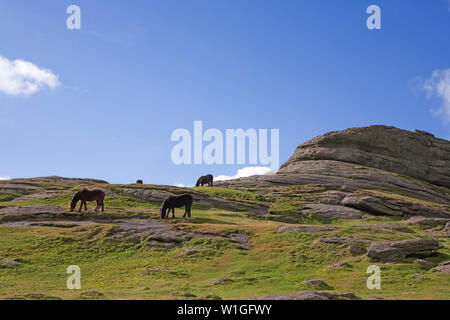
<point>228,253</point>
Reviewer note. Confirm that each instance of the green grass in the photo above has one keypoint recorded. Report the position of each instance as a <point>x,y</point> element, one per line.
<point>8,196</point>
<point>233,194</point>
<point>273,263</point>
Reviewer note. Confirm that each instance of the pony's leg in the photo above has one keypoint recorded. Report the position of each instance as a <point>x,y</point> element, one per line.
<point>81,206</point>
<point>103,207</point>
<point>173,213</point>
<point>85,206</point>
<point>189,211</point>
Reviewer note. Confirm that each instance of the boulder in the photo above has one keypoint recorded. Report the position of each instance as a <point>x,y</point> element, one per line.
<point>371,204</point>
<point>39,296</point>
<point>427,221</point>
<point>7,263</point>
<point>239,238</point>
<point>184,294</point>
<point>315,283</point>
<point>222,281</point>
<point>92,295</point>
<point>210,296</point>
<point>387,226</point>
<point>399,249</point>
<point>339,264</point>
<point>309,295</point>
<point>333,211</point>
<point>337,240</point>
<point>424,263</point>
<point>443,267</point>
<point>356,250</point>
<point>152,271</point>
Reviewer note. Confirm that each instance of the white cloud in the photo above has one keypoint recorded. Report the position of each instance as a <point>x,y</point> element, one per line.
<point>179,185</point>
<point>20,77</point>
<point>5,178</point>
<point>245,172</point>
<point>439,86</point>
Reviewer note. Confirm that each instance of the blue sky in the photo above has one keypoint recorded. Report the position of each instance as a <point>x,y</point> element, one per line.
<point>138,70</point>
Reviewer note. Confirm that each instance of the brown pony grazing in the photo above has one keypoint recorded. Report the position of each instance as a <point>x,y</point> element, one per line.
<point>208,179</point>
<point>85,195</point>
<point>173,202</point>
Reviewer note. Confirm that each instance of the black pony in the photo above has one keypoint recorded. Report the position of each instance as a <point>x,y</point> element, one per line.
<point>173,202</point>
<point>208,179</point>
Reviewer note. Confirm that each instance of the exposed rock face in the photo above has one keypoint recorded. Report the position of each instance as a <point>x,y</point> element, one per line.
<point>210,296</point>
<point>413,154</point>
<point>334,211</point>
<point>316,283</point>
<point>9,263</point>
<point>92,294</point>
<point>309,295</point>
<point>18,188</point>
<point>424,263</point>
<point>32,185</point>
<point>337,240</point>
<point>356,250</point>
<point>427,221</point>
<point>387,226</point>
<point>379,204</point>
<point>376,170</point>
<point>444,267</point>
<point>400,249</point>
<point>39,195</point>
<point>31,210</point>
<point>339,264</point>
<point>306,229</point>
<point>156,195</point>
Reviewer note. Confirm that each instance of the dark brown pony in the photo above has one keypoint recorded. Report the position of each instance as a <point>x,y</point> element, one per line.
<point>208,179</point>
<point>173,202</point>
<point>139,182</point>
<point>85,195</point>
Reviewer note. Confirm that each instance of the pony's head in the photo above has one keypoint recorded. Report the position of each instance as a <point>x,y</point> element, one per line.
<point>73,204</point>
<point>163,208</point>
<point>162,212</point>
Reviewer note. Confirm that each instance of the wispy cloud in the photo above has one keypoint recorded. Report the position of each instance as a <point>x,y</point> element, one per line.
<point>438,86</point>
<point>5,178</point>
<point>245,172</point>
<point>19,77</point>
